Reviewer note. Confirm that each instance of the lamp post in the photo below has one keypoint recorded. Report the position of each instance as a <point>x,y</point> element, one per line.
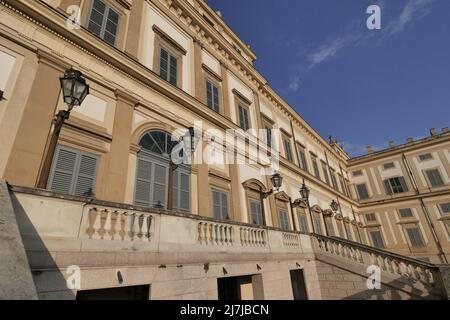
<point>304,192</point>
<point>74,90</point>
<point>277,181</point>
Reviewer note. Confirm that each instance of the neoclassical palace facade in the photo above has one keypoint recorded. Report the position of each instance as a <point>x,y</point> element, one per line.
<point>116,205</point>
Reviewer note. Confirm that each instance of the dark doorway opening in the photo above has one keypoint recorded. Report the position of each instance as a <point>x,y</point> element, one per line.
<point>235,288</point>
<point>298,285</point>
<point>122,293</point>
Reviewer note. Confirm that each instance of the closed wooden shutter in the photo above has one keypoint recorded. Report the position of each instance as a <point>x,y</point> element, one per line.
<point>173,70</point>
<point>159,184</point>
<point>220,205</point>
<point>435,178</point>
<point>181,197</point>
<point>63,171</point>
<point>387,186</point>
<point>256,212</point>
<point>85,180</point>
<point>143,182</point>
<point>164,64</point>
<point>403,184</point>
<point>73,172</point>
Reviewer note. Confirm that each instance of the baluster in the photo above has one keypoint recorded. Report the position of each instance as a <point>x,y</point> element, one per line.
<point>106,225</point>
<point>93,223</point>
<point>429,276</point>
<point>122,225</point>
<point>199,232</point>
<point>112,230</point>
<point>144,230</point>
<point>231,235</point>
<point>101,229</point>
<point>221,235</point>
<point>136,227</point>
<point>129,218</point>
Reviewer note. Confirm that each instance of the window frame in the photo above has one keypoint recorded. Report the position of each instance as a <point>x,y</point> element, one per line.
<point>391,188</point>
<point>427,178</point>
<point>407,228</point>
<point>287,147</point>
<point>165,42</point>
<point>221,191</point>
<point>377,230</point>
<point>109,7</point>
<point>359,194</point>
<point>325,172</point>
<point>76,169</point>
<point>302,159</point>
<point>315,166</point>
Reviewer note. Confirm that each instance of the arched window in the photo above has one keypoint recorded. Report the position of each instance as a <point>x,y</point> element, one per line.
<point>157,178</point>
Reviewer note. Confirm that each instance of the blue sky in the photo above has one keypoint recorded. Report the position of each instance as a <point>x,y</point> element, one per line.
<point>364,87</point>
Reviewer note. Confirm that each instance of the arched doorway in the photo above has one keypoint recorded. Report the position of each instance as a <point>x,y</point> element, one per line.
<point>157,179</point>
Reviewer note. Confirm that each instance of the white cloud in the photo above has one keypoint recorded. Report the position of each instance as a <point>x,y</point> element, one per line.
<point>331,48</point>
<point>412,11</point>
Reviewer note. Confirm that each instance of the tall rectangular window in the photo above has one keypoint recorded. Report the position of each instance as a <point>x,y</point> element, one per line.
<point>434,178</point>
<point>317,224</point>
<point>377,239</point>
<point>168,66</point>
<point>244,122</point>
<point>103,21</point>
<point>302,158</point>
<point>269,136</point>
<point>315,167</point>
<point>212,96</point>
<point>303,222</point>
<point>73,172</point>
<point>325,172</point>
<point>415,236</point>
<point>256,212</point>
<point>284,219</point>
<point>220,204</point>
<point>395,185</point>
<point>180,194</point>
<point>287,148</point>
<point>362,191</point>
<point>333,180</point>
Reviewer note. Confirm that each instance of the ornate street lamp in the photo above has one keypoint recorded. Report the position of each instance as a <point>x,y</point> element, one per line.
<point>74,90</point>
<point>304,192</point>
<point>334,206</point>
<point>277,181</point>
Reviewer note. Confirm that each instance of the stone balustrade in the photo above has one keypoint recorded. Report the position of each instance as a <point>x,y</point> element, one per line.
<point>111,224</point>
<point>291,240</point>
<point>386,261</point>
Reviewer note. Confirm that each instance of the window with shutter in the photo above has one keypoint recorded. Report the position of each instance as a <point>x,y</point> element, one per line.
<point>220,204</point>
<point>152,174</point>
<point>315,167</point>
<point>168,66</point>
<point>415,236</point>
<point>395,185</point>
<point>340,229</point>
<point>377,239</point>
<point>362,191</point>
<point>330,228</point>
<point>256,212</point>
<point>348,231</point>
<point>317,224</point>
<point>325,172</point>
<point>303,222</point>
<point>212,96</point>
<point>103,21</point>
<point>425,157</point>
<point>243,118</point>
<point>287,148</point>
<point>302,158</point>
<point>284,219</point>
<point>434,178</point>
<point>73,172</point>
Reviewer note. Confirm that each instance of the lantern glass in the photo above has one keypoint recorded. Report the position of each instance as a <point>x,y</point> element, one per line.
<point>74,87</point>
<point>334,206</point>
<point>277,180</point>
<point>304,192</point>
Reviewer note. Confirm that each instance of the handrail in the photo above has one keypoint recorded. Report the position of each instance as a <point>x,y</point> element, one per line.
<point>376,250</point>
